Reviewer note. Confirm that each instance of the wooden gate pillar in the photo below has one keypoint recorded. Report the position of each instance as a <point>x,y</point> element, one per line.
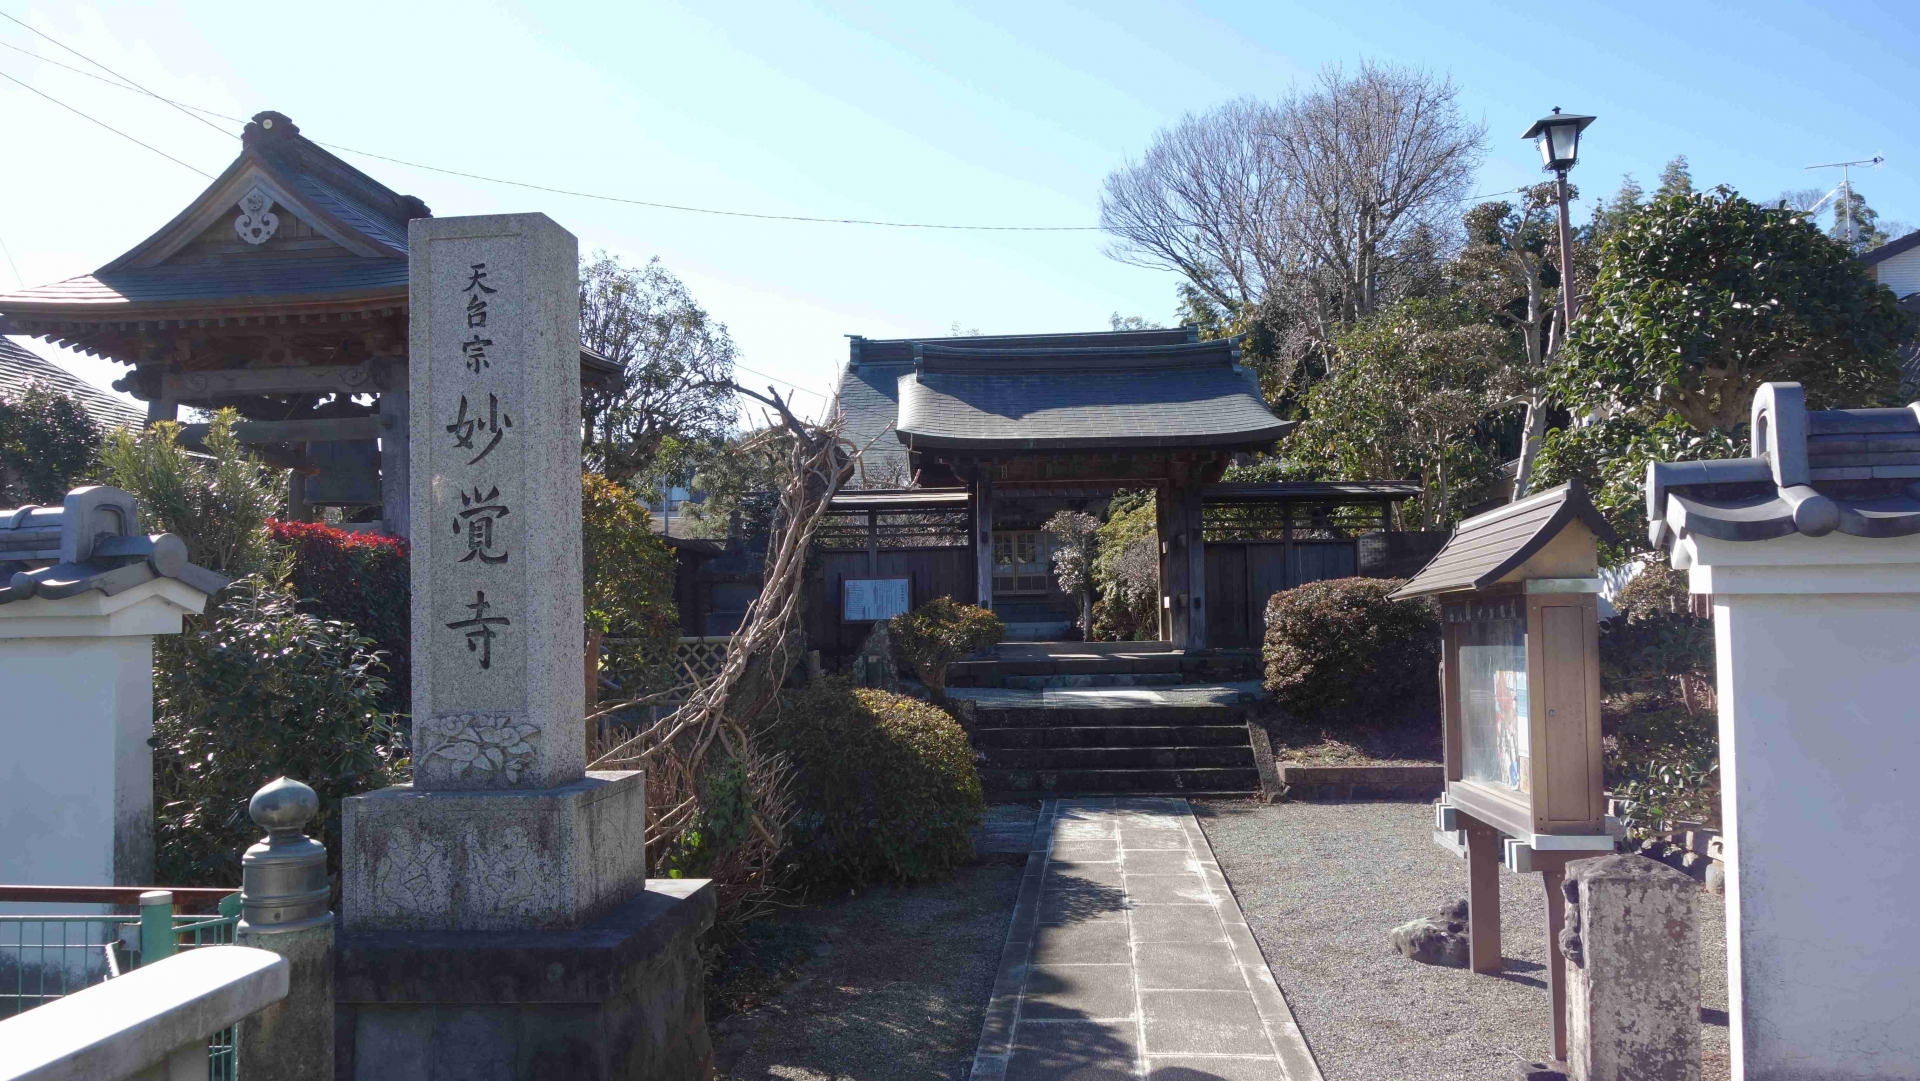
<point>983,536</point>
<point>1183,565</point>
<point>396,460</point>
<point>1196,553</point>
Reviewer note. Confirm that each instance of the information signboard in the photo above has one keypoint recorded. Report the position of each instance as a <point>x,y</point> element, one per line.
<point>869,600</point>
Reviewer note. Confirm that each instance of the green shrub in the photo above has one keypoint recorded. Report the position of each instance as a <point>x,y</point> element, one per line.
<point>627,582</point>
<point>1662,762</point>
<point>48,445</point>
<point>940,632</point>
<point>265,690</point>
<point>885,785</point>
<point>217,501</point>
<point>1655,644</point>
<point>1345,648</point>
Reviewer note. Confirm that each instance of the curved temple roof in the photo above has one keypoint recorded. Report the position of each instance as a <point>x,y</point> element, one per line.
<point>1050,395</point>
<point>1854,471</point>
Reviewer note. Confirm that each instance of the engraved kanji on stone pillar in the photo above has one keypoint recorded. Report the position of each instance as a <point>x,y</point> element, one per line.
<point>495,388</point>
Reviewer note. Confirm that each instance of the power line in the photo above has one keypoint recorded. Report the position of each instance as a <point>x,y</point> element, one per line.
<point>724,213</point>
<point>110,71</point>
<point>777,379</point>
<point>190,110</point>
<point>104,124</point>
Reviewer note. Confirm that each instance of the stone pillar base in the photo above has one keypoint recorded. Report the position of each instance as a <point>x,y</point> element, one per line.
<point>492,859</point>
<point>622,998</point>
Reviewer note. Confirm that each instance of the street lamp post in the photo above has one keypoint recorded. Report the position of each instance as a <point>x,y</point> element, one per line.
<point>1558,136</point>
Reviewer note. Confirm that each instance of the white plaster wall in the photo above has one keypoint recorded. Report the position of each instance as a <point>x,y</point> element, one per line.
<point>1820,763</point>
<point>76,782</point>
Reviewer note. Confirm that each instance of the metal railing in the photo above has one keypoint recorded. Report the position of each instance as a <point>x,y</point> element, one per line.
<point>46,957</point>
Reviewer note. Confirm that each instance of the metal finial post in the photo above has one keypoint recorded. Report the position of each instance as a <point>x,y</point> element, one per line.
<point>284,892</point>
<point>283,877</point>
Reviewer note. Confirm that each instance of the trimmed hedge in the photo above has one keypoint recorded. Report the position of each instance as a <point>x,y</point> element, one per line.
<point>361,579</point>
<point>885,785</point>
<point>1343,649</point>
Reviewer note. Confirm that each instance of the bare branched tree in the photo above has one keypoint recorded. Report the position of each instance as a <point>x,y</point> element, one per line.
<point>720,713</point>
<point>676,365</point>
<point>1376,162</point>
<point>1208,201</point>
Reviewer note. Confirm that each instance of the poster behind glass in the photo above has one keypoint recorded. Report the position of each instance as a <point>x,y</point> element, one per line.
<point>1493,703</point>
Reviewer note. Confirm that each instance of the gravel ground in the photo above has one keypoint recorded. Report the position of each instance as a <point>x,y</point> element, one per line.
<point>1321,885</point>
<point>895,987</point>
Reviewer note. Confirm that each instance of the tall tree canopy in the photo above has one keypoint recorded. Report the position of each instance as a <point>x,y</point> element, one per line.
<point>1403,399</point>
<point>1702,297</point>
<point>676,365</point>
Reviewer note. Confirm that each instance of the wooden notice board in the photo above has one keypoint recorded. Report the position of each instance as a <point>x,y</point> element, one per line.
<point>869,600</point>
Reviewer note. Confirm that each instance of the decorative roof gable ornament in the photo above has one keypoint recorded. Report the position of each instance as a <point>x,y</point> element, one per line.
<point>255,225</point>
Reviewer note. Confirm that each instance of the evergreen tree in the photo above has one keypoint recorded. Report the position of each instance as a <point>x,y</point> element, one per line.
<point>1611,214</point>
<point>1676,178</point>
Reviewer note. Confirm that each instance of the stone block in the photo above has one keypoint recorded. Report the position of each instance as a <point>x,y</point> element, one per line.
<point>1633,990</point>
<point>621,999</point>
<point>512,859</point>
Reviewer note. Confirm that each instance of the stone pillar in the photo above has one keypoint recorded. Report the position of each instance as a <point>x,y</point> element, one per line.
<point>501,817</point>
<point>983,535</point>
<point>1633,950</point>
<point>76,783</point>
<point>1815,640</point>
<point>284,891</point>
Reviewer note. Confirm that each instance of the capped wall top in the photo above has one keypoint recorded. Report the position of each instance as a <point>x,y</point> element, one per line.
<point>92,541</point>
<point>1853,471</point>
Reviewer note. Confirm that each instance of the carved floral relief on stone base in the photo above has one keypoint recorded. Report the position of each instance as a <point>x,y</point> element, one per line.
<point>475,750</point>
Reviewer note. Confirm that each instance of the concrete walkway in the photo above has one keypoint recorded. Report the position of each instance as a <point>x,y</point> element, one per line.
<point>1129,958</point>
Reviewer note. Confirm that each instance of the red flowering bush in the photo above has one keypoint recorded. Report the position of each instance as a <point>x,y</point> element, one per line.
<point>362,579</point>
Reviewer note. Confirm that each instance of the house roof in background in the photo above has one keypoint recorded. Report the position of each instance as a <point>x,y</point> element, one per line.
<point>20,369</point>
<point>1892,248</point>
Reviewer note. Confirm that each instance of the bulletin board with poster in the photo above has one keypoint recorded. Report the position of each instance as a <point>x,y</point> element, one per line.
<point>1520,706</point>
<point>870,600</point>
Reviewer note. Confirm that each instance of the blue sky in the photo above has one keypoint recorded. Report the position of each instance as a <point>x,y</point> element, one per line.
<point>1002,114</point>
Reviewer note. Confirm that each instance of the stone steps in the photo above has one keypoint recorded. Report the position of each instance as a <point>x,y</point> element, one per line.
<point>1123,714</point>
<point>1135,735</point>
<point>1011,783</point>
<point>1099,664</point>
<point>1121,745</point>
<point>1083,759</point>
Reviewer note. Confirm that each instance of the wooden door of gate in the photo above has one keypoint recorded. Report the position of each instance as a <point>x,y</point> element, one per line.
<point>1243,574</point>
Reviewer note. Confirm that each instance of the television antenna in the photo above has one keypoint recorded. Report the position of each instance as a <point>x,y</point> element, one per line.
<point>1845,190</point>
